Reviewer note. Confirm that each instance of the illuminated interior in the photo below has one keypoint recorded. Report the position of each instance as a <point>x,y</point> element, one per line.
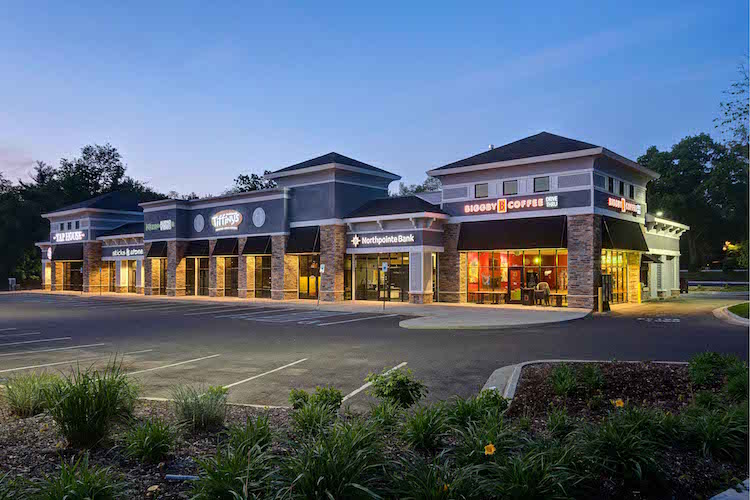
<point>615,264</point>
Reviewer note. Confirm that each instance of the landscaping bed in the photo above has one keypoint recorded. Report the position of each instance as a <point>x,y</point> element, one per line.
<point>741,310</point>
<point>593,430</point>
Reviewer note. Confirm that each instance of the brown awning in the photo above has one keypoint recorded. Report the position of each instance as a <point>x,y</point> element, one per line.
<point>514,234</point>
<point>618,234</point>
<point>226,246</point>
<point>158,250</point>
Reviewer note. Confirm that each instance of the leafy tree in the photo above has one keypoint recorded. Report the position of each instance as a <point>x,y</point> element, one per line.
<point>735,112</point>
<point>429,184</point>
<point>244,183</point>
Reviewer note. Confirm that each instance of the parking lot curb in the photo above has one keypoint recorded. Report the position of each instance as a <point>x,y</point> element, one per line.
<point>509,376</point>
<point>724,314</point>
<point>424,323</point>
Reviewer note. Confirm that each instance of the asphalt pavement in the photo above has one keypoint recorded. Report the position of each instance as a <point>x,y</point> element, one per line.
<point>261,350</point>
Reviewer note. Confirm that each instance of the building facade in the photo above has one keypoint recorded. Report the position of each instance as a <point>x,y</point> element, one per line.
<point>544,217</point>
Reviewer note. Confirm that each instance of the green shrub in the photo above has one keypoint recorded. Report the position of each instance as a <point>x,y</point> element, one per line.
<point>720,432</point>
<point>592,377</point>
<point>86,404</point>
<point>341,463</point>
<point>76,480</point>
<point>25,393</point>
<point>311,419</point>
<point>707,400</point>
<point>150,441</point>
<point>737,383</point>
<point>474,439</point>
<point>709,367</point>
<point>474,409</point>
<point>425,427</point>
<point>386,414</point>
<point>563,380</point>
<point>234,475</point>
<point>298,397</point>
<point>398,386</point>
<point>327,396</point>
<point>550,473</point>
<point>559,423</point>
<point>412,476</point>
<point>200,407</point>
<point>242,438</point>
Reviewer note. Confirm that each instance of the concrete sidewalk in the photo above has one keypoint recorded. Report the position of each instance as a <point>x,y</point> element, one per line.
<point>436,316</point>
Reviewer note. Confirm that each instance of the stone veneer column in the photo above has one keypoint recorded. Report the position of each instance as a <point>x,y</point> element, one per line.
<point>452,267</point>
<point>584,259</point>
<point>176,268</point>
<point>56,276</point>
<point>241,269</point>
<point>92,265</point>
<point>148,271</point>
<point>332,254</point>
<point>220,266</point>
<point>47,278</point>
<point>104,277</point>
<point>284,270</point>
<point>634,277</point>
<point>212,285</point>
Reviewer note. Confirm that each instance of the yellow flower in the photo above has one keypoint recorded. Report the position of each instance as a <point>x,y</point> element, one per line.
<point>489,449</point>
<point>619,403</point>
<point>446,486</point>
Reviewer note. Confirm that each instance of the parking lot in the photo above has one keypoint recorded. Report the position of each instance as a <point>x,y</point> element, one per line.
<point>259,350</point>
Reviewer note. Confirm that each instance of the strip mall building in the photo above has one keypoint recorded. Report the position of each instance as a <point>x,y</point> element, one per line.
<point>541,209</point>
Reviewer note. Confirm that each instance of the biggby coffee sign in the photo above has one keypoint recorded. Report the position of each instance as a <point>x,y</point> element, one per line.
<point>226,220</point>
<point>624,205</point>
<point>504,205</point>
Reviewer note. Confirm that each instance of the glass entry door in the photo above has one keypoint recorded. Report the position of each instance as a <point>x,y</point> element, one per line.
<point>309,271</point>
<point>373,284</point>
<point>515,283</point>
<point>196,276</point>
<point>73,275</point>
<point>231,276</point>
<point>132,275</point>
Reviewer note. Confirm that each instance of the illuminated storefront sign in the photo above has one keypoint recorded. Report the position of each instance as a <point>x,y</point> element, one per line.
<point>127,252</point>
<point>162,225</point>
<point>504,205</point>
<point>69,236</point>
<point>226,220</point>
<point>624,205</point>
<point>391,239</point>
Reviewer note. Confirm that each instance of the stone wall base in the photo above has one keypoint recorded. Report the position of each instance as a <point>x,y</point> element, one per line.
<point>420,298</point>
<point>331,296</point>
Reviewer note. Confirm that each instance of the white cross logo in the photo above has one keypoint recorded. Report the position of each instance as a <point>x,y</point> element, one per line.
<point>355,241</point>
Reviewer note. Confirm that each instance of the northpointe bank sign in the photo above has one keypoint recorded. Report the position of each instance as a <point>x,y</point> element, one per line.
<point>504,205</point>
<point>390,239</point>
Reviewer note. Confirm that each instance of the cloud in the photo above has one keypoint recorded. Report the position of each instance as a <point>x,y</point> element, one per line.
<point>15,163</point>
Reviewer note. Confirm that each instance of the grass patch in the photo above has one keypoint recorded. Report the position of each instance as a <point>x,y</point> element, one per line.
<point>234,474</point>
<point>78,480</point>
<point>742,310</point>
<point>312,419</point>
<point>25,393</point>
<point>255,432</point>
<point>87,403</point>
<point>150,441</point>
<point>200,407</point>
<point>425,427</point>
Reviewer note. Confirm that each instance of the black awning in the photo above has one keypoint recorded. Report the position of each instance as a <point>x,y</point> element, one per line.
<point>226,246</point>
<point>618,234</point>
<point>158,250</point>
<point>197,248</point>
<point>647,257</point>
<point>514,234</point>
<point>68,252</point>
<point>304,240</point>
<point>257,245</point>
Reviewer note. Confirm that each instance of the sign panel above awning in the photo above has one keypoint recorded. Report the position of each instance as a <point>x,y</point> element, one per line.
<point>514,234</point>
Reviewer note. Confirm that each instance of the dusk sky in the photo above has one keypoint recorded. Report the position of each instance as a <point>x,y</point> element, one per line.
<point>194,93</point>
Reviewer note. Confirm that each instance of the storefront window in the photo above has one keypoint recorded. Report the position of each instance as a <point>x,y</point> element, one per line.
<point>196,273</point>
<point>190,276</point>
<point>129,267</point>
<point>263,276</point>
<point>203,274</point>
<point>231,276</point>
<point>614,264</point>
<point>499,277</point>
<point>347,277</point>
<point>72,275</point>
<point>162,276</point>
<point>308,276</point>
<point>373,284</point>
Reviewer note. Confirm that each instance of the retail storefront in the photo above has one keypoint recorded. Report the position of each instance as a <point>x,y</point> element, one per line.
<point>544,220</point>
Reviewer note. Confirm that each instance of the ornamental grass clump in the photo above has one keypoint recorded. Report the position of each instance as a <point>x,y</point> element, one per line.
<point>488,440</point>
<point>386,415</point>
<point>559,423</point>
<point>311,419</point>
<point>710,367</point>
<point>474,409</point>
<point>234,474</point>
<point>411,475</point>
<point>563,380</point>
<point>86,404</point>
<point>722,432</point>
<point>425,427</point>
<point>150,440</point>
<point>255,432</point>
<point>592,378</point>
<point>25,393</point>
<point>344,462</point>
<point>200,407</point>
<point>398,386</point>
<point>76,480</point>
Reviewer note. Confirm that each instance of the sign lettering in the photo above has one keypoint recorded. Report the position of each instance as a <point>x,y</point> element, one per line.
<point>383,240</point>
<point>504,205</point>
<point>226,220</point>
<point>69,236</point>
<point>163,225</point>
<point>624,205</point>
<point>127,252</point>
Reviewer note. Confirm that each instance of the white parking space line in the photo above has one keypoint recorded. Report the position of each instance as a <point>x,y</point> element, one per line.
<point>226,309</point>
<point>53,349</point>
<point>58,339</point>
<point>368,384</point>
<point>9,335</point>
<point>358,319</point>
<point>290,318</point>
<point>7,329</point>
<point>245,315</point>
<point>71,361</point>
<point>265,373</point>
<point>174,364</point>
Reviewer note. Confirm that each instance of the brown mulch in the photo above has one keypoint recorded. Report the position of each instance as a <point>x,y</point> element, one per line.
<point>31,448</point>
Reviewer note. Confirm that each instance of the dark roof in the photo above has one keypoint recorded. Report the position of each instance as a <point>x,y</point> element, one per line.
<point>515,234</point>
<point>333,158</point>
<point>116,200</point>
<point>395,205</point>
<point>540,144</point>
<point>129,228</point>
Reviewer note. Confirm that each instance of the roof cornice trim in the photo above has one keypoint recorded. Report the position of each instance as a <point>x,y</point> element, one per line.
<point>520,161</point>
<point>72,211</point>
<point>630,163</point>
<point>329,166</point>
<point>119,236</point>
<point>411,215</point>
